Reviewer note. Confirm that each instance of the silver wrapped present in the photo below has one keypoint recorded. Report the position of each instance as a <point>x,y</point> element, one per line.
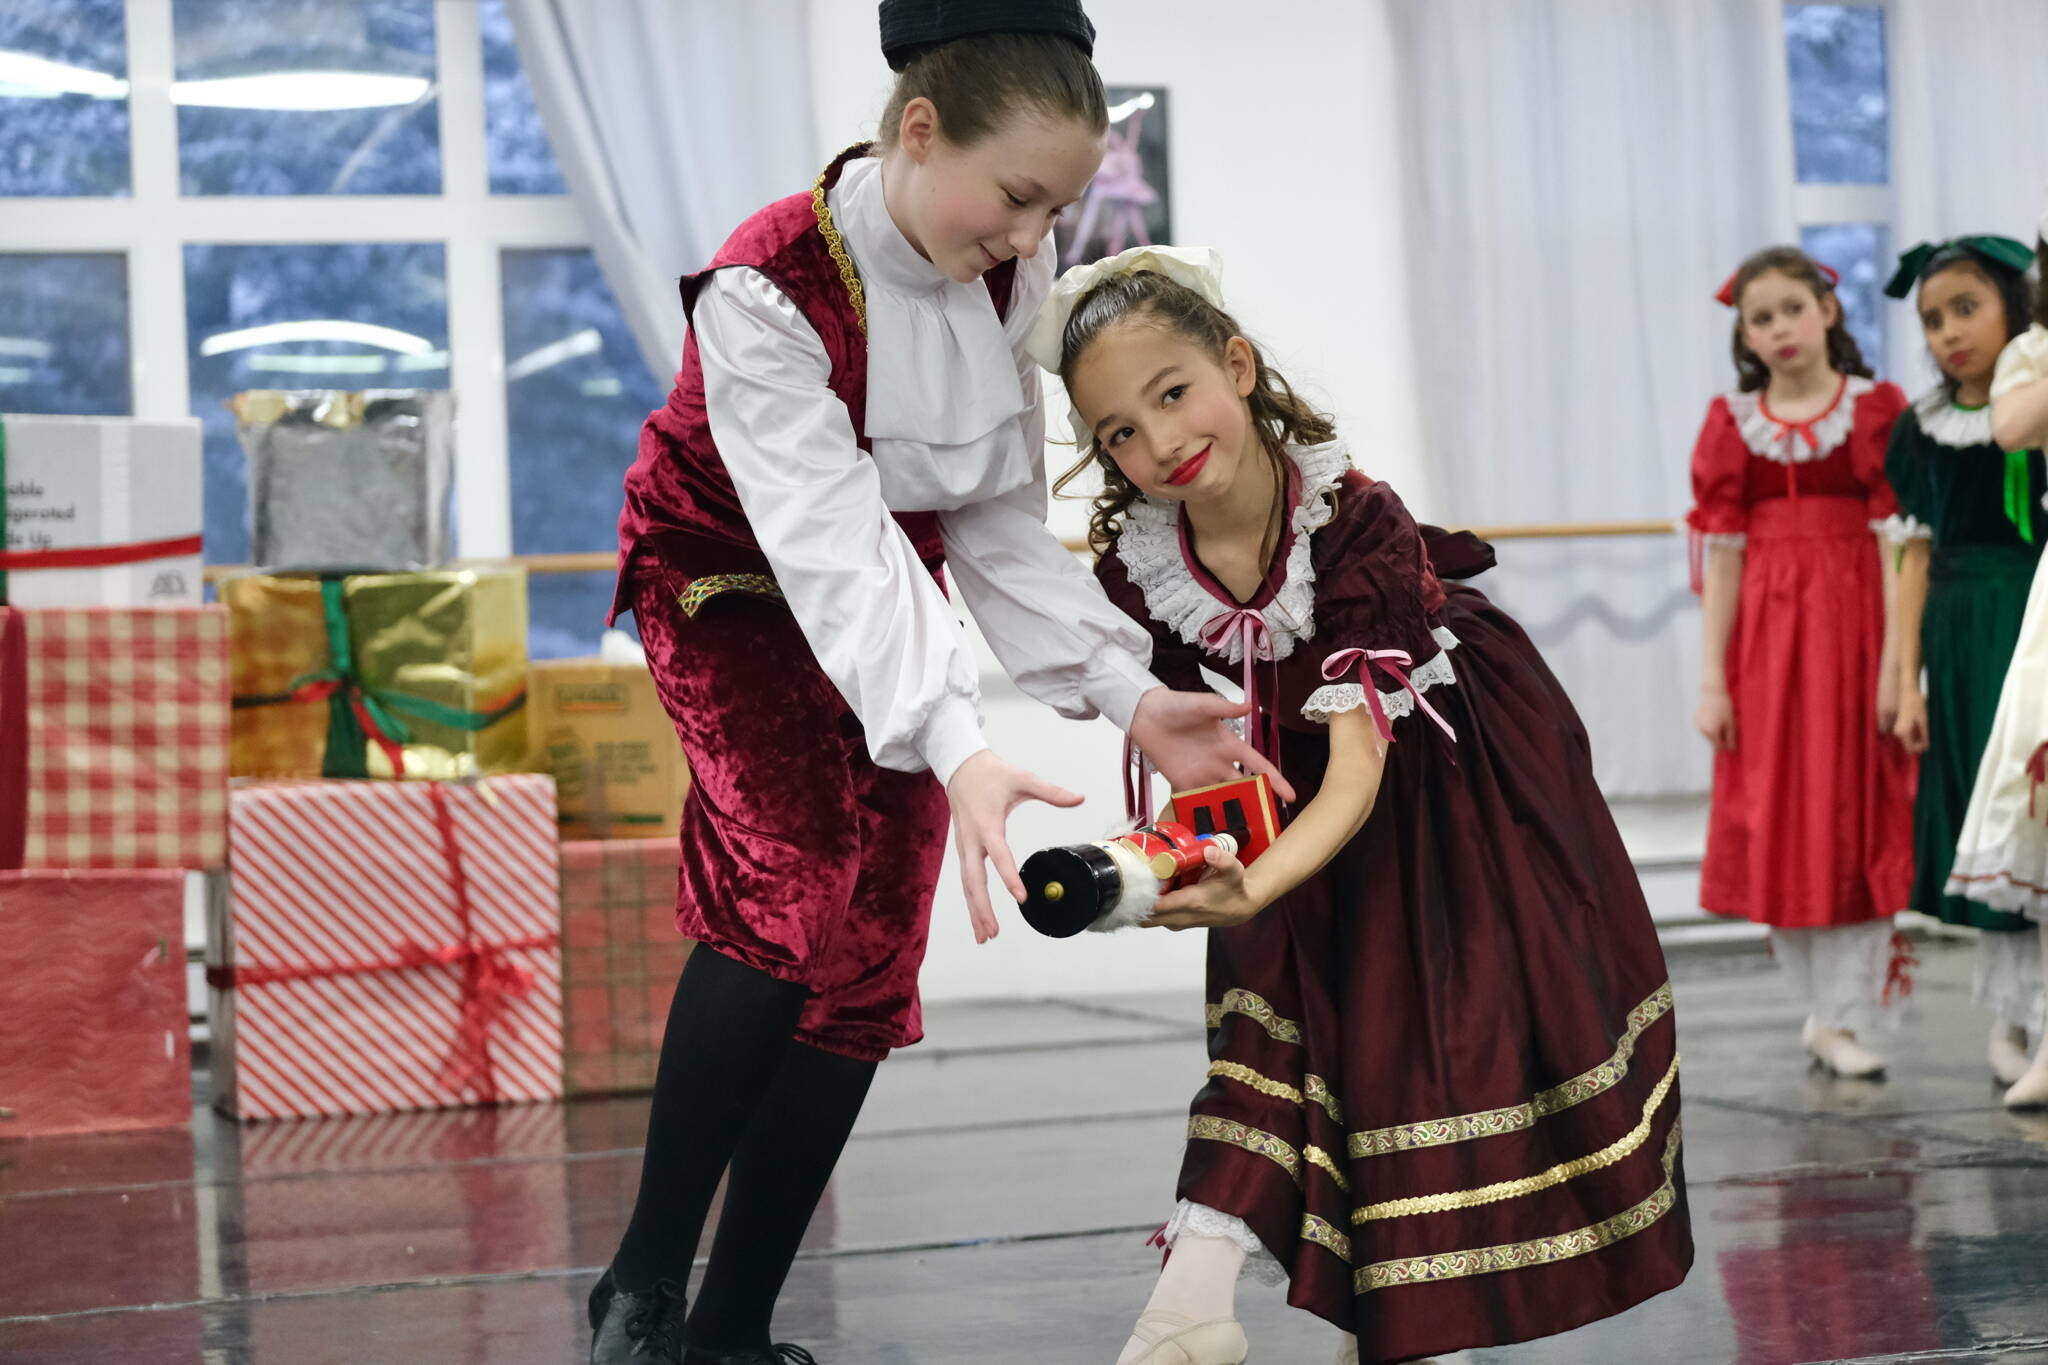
<point>344,480</point>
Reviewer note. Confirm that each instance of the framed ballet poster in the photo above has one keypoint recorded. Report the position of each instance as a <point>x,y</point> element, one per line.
<point>1127,204</point>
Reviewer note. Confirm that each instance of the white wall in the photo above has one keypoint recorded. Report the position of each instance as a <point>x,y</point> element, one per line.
<point>1285,158</point>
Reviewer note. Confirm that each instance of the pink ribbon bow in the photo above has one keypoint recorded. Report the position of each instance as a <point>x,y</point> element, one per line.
<point>1255,642</point>
<point>1392,662</point>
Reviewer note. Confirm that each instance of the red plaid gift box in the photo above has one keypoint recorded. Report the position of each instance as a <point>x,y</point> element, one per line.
<point>113,737</point>
<point>93,1030</point>
<point>621,957</point>
<point>387,946</point>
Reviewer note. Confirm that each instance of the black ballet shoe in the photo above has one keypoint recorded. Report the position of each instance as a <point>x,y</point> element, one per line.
<point>782,1353</point>
<point>636,1329</point>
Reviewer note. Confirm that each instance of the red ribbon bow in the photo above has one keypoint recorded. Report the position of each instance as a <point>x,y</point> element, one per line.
<point>320,689</point>
<point>1392,662</point>
<point>1725,295</point>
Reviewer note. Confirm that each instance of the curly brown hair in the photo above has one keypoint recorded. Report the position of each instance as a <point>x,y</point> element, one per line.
<point>978,82</point>
<point>1844,355</point>
<point>1279,414</point>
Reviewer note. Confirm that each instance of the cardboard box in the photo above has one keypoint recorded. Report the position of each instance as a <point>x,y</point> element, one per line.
<point>600,729</point>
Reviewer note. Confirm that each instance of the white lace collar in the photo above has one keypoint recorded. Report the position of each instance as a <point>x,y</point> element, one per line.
<point>1946,423</point>
<point>1786,442</point>
<point>1150,549</point>
<point>940,370</point>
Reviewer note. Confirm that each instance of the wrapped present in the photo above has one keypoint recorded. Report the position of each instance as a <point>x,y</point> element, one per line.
<point>621,956</point>
<point>113,737</point>
<point>600,729</point>
<point>100,512</point>
<point>93,1034</point>
<point>387,946</point>
<point>417,675</point>
<point>348,482</point>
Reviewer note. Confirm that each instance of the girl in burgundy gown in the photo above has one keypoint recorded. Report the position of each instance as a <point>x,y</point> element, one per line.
<point>1443,1100</point>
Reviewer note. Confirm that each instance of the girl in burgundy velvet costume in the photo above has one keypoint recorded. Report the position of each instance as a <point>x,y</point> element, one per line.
<point>1443,1096</point>
<point>853,417</point>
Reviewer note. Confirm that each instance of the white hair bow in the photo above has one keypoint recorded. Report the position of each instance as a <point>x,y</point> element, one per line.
<point>1199,268</point>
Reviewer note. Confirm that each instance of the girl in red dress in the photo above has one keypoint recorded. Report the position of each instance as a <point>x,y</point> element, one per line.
<point>1812,828</point>
<point>1442,1102</point>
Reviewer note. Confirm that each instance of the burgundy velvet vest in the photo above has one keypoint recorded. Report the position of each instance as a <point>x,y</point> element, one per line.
<point>678,483</point>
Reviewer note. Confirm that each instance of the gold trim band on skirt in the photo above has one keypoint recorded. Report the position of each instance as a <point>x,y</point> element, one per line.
<point>1314,1229</point>
<point>1451,1265</point>
<point>1607,1156</point>
<point>1312,1087</point>
<point>1255,1008</point>
<point>1210,1128</point>
<point>1406,1137</point>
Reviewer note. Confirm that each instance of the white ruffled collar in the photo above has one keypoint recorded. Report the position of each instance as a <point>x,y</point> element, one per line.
<point>940,369</point>
<point>1947,423</point>
<point>1150,549</point>
<point>1787,442</point>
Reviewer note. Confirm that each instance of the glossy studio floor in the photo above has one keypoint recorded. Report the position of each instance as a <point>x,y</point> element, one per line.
<point>995,1203</point>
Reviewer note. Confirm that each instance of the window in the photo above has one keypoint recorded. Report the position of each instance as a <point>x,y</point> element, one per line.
<point>521,162</point>
<point>64,334</point>
<point>1841,138</point>
<point>577,391</point>
<point>64,98</point>
<point>371,174</point>
<point>306,96</point>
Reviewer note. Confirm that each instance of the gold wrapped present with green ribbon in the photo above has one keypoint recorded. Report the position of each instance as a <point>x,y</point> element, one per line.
<point>412,675</point>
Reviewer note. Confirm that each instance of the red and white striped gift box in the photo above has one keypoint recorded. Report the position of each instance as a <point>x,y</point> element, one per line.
<point>113,737</point>
<point>387,946</point>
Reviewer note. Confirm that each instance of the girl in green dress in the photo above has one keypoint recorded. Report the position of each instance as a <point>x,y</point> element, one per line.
<point>1971,528</point>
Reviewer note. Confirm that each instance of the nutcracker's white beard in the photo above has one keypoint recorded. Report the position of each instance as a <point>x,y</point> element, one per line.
<point>1141,891</point>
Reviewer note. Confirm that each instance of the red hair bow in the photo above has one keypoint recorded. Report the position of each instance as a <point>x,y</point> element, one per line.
<point>1725,295</point>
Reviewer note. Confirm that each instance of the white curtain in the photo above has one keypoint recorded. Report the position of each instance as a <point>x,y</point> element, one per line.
<point>672,120</point>
<point>1584,173</point>
<point>1969,129</point>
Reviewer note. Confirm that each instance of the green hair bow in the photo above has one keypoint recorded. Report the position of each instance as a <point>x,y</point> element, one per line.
<point>1913,264</point>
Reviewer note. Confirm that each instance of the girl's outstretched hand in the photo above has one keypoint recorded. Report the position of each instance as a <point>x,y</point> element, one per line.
<point>983,792</point>
<point>1219,901</point>
<point>1184,735</point>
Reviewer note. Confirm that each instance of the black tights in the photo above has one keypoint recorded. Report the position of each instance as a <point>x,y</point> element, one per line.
<point>735,1090</point>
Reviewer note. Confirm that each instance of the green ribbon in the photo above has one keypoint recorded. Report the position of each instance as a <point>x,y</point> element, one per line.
<point>348,743</point>
<point>1913,263</point>
<point>2019,493</point>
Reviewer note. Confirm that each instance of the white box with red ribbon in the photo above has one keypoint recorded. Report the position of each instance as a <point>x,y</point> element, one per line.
<point>387,946</point>
<point>101,511</point>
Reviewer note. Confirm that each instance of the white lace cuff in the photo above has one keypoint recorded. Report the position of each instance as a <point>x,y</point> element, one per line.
<point>1199,1220</point>
<point>1901,529</point>
<point>1336,698</point>
<point>1727,540</point>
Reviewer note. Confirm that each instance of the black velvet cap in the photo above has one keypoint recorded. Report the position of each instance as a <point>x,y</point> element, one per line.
<point>909,26</point>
